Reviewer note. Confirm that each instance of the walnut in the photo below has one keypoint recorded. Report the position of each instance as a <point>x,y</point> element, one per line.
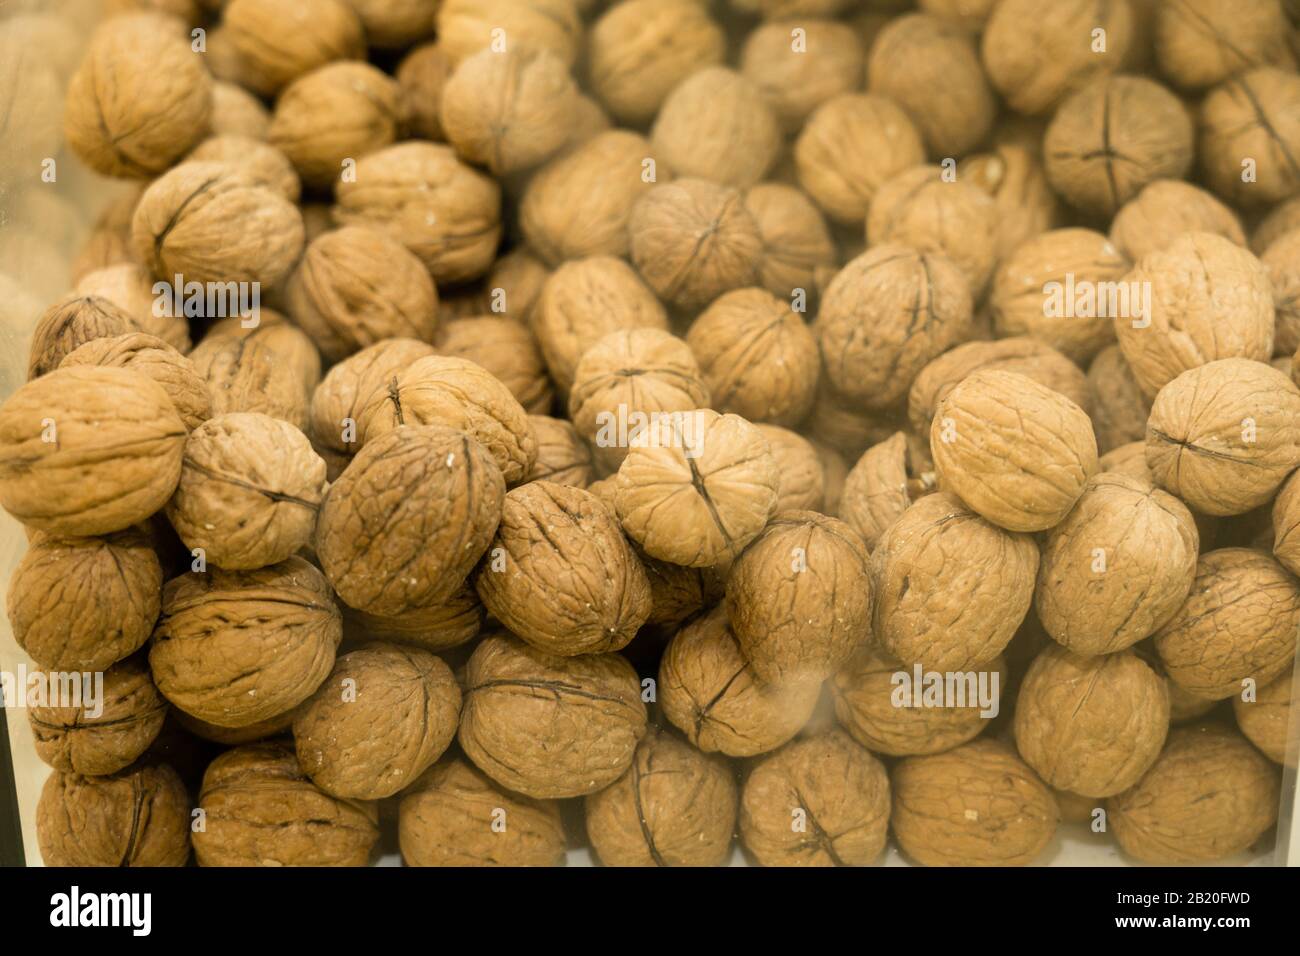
<point>842,425</point>
<point>466,26</point>
<point>395,24</point>
<point>976,805</point>
<point>822,801</point>
<point>711,694</point>
<point>850,146</point>
<point>249,492</point>
<point>1239,621</point>
<point>886,315</point>
<point>798,250</point>
<point>1037,52</point>
<point>1116,568</point>
<point>560,574</point>
<point>640,50</point>
<point>867,696</point>
<point>696,489</point>
<point>237,112</point>
<point>1185,706</point>
<point>237,647</point>
<point>1208,299</point>
<point>107,738</point>
<point>1163,211</point>
<point>210,222</point>
<point>334,114</point>
<point>1013,450</point>
<point>509,111</point>
<point>277,726</point>
<point>950,587</point>
<point>1200,43</point>
<point>515,285</point>
<point>276,41</point>
<point>419,193</point>
<point>579,204</point>
<point>801,475</point>
<point>440,627</point>
<point>342,395</point>
<point>1250,118</point>
<point>693,240</point>
<point>139,100</point>
<point>716,125</point>
<point>383,716</point>
<point>1286,519</point>
<point>930,66</point>
<point>1281,219</point>
<point>758,357</point>
<point>1282,260</point>
<point>1209,796</point>
<point>356,286</point>
<point>458,393</point>
<point>71,322</point>
<point>261,162</point>
<point>269,328</point>
<point>130,287</point>
<point>1224,436</point>
<point>638,377</point>
<point>796,76</point>
<point>260,809</point>
<point>584,301</point>
<point>834,472</point>
<point>457,816</point>
<point>677,593</point>
<point>548,726</point>
<point>421,76</point>
<point>673,807</point>
<point>562,456</point>
<point>1266,719</point>
<point>109,242</point>
<point>409,518</point>
<point>246,375</point>
<point>507,349</point>
<point>88,450</point>
<point>1119,409</point>
<point>883,484</point>
<point>138,817</point>
<point>1024,203</point>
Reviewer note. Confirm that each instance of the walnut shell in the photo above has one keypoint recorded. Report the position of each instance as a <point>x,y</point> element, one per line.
<point>276,41</point>
<point>277,726</point>
<point>548,726</point>
<point>579,204</point>
<point>798,250</point>
<point>250,489</point>
<point>237,112</point>
<point>509,111</point>
<point>457,393</point>
<point>799,598</point>
<point>1209,299</point>
<point>155,359</point>
<point>1238,622</point>
<point>1024,203</point>
<point>562,456</point>
<point>1281,219</point>
<point>801,474</point>
<point>796,76</point>
<point>342,395</point>
<point>887,314</point>
<point>237,647</point>
<point>881,486</point>
<point>269,328</point>
<point>244,374</point>
<point>716,125</point>
<point>1266,720</point>
<point>457,816</point>
<point>757,356</point>
<point>1282,260</point>
<point>260,161</point>
<point>638,51</point>
<point>1119,408</point>
<point>693,240</point>
<point>698,489</point>
<point>80,604</point>
<point>333,114</point>
<point>507,349</point>
<point>850,146</point>
<point>106,738</point>
<point>584,301</point>
<point>421,76</point>
<point>834,471</point>
<point>867,693</point>
<point>140,99</point>
<point>419,193</point>
<point>673,807</point>
<point>976,805</point>
<point>1209,796</point>
<point>130,287</point>
<point>629,380</point>
<point>709,692</point>
<point>210,222</point>
<point>1163,211</point>
<point>1112,117</point>
<point>70,323</point>
<point>409,518</point>
<point>395,24</point>
<point>1116,568</point>
<point>1286,520</point>
<point>821,801</point>
<point>138,817</point>
<point>1224,436</point>
<point>466,26</point>
<point>88,450</point>
<point>438,628</point>
<point>384,715</point>
<point>950,587</point>
<point>560,574</point>
<point>1200,43</point>
<point>260,809</point>
<point>1015,451</point>
<point>1251,117</point>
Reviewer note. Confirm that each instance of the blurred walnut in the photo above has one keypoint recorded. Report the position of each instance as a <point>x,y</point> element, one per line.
<point>395,24</point>
<point>1024,203</point>
<point>801,477</point>
<point>71,322</point>
<point>883,484</point>
<point>276,41</point>
<point>842,425</point>
<point>1163,211</point>
<point>1281,219</point>
<point>1282,260</point>
<point>1266,720</point>
<point>1119,409</point>
<point>465,27</point>
<point>421,76</point>
<point>1251,117</point>
<point>797,72</point>
<point>259,161</point>
<point>237,112</point>
<point>798,250</point>
<point>109,242</point>
<point>1200,43</point>
<point>130,287</point>
<point>337,403</point>
<point>507,349</point>
<point>562,456</point>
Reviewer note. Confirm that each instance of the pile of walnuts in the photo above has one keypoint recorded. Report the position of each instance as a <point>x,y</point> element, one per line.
<point>660,423</point>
